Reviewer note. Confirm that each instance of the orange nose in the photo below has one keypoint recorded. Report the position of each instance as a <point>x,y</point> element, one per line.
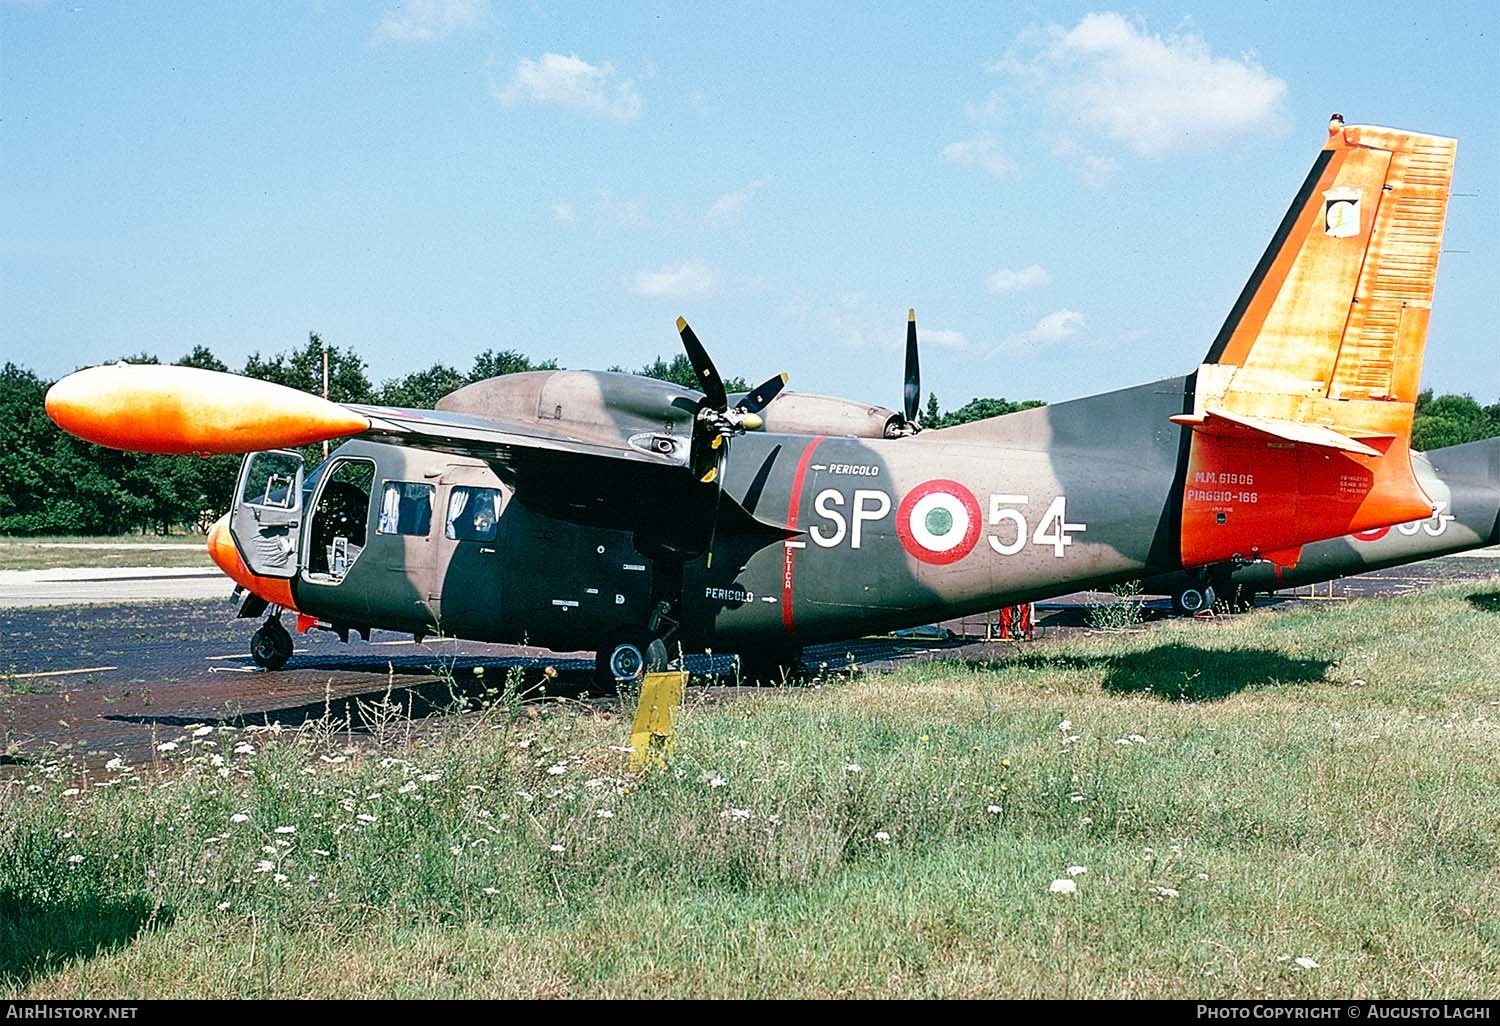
<point>222,551</point>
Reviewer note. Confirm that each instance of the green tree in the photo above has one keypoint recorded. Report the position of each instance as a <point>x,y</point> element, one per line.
<point>680,372</point>
<point>303,369</point>
<point>1441,421</point>
<point>933,417</point>
<point>490,364</point>
<point>983,409</point>
<point>420,390</point>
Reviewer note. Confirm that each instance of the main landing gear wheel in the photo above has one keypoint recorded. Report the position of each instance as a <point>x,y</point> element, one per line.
<point>1194,599</point>
<point>271,645</point>
<point>626,657</point>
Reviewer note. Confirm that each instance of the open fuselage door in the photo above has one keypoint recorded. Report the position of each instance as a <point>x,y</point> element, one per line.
<point>266,522</point>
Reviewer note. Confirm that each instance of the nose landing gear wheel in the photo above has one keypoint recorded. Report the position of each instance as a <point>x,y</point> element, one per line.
<point>270,645</point>
<point>626,657</point>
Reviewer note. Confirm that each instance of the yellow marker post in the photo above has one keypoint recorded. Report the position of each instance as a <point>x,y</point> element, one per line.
<point>655,717</point>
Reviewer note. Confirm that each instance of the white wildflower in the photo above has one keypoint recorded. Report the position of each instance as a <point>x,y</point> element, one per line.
<point>115,765</point>
<point>222,906</point>
<point>713,779</point>
<point>1137,739</point>
<point>264,866</point>
<point>70,792</point>
<point>244,748</point>
<point>1063,886</point>
<point>556,847</point>
<point>167,746</point>
<point>1065,726</point>
<point>286,830</point>
<point>557,769</point>
<point>430,777</point>
<point>1306,963</point>
<point>492,890</point>
<point>365,817</point>
<point>203,732</point>
<point>74,860</point>
<point>279,878</point>
<point>882,837</point>
<point>993,810</point>
<point>457,849</point>
<point>1123,742</point>
<point>322,851</point>
<point>735,814</point>
<point>239,817</point>
<point>1202,876</point>
<point>407,788</point>
<point>1077,870</point>
<point>853,767</point>
<point>605,814</point>
<point>1165,892</point>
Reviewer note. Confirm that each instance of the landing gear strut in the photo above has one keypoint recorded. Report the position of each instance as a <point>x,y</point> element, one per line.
<point>271,645</point>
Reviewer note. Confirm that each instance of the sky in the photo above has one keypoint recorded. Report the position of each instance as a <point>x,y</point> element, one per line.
<point>1070,196</point>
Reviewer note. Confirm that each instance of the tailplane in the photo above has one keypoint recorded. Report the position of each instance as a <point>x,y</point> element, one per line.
<point>1303,408</point>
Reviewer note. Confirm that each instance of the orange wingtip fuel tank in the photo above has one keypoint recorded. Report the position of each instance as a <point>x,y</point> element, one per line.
<point>175,410</point>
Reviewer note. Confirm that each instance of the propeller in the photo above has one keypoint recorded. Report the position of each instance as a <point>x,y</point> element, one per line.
<point>716,422</point>
<point>910,423</point>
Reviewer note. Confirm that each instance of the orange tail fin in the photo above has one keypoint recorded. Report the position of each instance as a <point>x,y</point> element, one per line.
<point>1303,409</point>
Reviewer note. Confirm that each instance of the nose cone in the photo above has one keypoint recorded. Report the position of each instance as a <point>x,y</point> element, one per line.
<point>222,551</point>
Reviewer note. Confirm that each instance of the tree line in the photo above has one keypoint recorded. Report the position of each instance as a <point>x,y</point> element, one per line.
<point>53,483</point>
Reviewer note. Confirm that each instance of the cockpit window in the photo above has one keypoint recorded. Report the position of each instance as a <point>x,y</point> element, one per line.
<point>271,480</point>
<point>473,514</point>
<point>405,508</point>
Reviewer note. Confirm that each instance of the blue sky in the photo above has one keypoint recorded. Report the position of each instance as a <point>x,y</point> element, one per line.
<point>1071,196</point>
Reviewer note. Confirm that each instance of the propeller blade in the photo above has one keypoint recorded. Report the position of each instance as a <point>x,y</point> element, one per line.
<point>708,375</point>
<point>758,399</point>
<point>913,391</point>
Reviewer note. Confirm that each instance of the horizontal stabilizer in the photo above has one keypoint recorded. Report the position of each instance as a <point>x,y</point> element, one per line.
<point>1222,422</point>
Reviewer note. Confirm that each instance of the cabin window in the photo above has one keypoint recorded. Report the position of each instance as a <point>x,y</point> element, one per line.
<point>473,514</point>
<point>405,508</point>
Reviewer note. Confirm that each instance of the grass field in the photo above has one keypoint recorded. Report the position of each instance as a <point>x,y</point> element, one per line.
<point>1301,802</point>
<point>132,550</point>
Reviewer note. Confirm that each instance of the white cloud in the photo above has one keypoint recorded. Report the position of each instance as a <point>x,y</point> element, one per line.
<point>729,208</point>
<point>564,212</point>
<point>1003,280</point>
<point>1057,327</point>
<point>574,83</point>
<point>1152,93</point>
<point>690,279</point>
<point>424,21</point>
<point>982,151</point>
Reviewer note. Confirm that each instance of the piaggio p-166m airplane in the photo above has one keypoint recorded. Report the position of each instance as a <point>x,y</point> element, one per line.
<point>575,509</point>
<point>1463,482</point>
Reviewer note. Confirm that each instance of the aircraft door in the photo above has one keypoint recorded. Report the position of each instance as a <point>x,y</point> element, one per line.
<point>471,502</point>
<point>267,518</point>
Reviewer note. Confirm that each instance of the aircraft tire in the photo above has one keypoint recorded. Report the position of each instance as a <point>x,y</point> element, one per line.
<point>626,657</point>
<point>1193,599</point>
<point>270,645</point>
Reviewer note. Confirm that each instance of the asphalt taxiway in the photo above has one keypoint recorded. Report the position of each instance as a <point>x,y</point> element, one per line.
<point>87,675</point>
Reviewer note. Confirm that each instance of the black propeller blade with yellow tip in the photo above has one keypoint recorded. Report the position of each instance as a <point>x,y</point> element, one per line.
<point>910,423</point>
<point>716,422</point>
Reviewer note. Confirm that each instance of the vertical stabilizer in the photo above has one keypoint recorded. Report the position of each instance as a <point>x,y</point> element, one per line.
<point>1303,410</point>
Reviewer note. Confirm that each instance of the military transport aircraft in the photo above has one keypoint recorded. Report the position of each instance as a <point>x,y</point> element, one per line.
<point>576,509</point>
<point>1463,482</point>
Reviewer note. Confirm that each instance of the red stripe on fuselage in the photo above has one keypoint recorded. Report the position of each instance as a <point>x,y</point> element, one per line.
<point>792,508</point>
